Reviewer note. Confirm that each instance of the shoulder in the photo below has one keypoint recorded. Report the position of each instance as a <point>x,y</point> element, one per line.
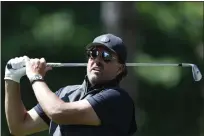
<point>117,93</point>
<point>112,96</point>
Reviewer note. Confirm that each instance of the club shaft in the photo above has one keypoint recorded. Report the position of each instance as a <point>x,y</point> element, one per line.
<point>195,71</point>
<point>127,64</point>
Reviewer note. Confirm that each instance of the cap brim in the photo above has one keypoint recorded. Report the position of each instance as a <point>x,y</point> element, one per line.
<point>92,45</point>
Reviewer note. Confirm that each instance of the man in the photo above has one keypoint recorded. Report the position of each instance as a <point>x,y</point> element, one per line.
<point>97,107</point>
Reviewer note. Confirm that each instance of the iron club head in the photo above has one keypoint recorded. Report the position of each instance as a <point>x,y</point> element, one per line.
<point>196,73</point>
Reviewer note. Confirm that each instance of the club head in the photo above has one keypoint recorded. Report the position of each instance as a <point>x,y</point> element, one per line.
<point>196,73</point>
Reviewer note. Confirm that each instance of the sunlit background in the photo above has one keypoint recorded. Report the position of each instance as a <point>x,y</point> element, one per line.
<point>168,101</point>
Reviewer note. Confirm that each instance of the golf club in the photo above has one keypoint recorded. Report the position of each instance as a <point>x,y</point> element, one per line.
<point>197,76</point>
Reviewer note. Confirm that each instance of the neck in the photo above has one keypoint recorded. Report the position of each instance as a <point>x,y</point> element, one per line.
<point>109,83</point>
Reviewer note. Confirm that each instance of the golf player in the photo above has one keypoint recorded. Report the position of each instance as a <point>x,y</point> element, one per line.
<point>96,107</point>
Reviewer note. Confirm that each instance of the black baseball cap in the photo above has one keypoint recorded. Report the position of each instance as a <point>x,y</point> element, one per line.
<point>113,43</point>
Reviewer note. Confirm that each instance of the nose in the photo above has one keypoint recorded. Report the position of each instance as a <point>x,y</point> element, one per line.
<point>98,59</point>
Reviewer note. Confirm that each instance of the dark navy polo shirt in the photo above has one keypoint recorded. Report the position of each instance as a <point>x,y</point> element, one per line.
<point>111,103</point>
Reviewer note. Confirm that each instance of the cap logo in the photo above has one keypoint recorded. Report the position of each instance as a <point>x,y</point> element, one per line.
<point>105,39</point>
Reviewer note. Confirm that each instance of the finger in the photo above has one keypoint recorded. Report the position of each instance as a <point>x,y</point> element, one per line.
<point>26,58</point>
<point>27,63</point>
<point>43,62</point>
<point>31,62</point>
<point>34,63</point>
<point>48,68</point>
<point>22,61</point>
<point>37,61</point>
<point>18,63</point>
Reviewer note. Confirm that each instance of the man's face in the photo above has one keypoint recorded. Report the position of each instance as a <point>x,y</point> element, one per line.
<point>102,65</point>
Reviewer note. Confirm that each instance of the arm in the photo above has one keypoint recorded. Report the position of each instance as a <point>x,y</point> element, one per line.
<point>80,112</point>
<point>57,110</point>
<point>20,121</point>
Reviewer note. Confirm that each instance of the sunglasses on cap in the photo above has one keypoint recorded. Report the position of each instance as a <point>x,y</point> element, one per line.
<point>106,56</point>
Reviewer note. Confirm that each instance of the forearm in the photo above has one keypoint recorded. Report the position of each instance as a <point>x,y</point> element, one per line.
<point>49,102</point>
<point>14,108</point>
<point>61,112</point>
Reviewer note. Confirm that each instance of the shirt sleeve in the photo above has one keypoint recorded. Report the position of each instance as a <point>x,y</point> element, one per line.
<point>40,111</point>
<point>115,109</point>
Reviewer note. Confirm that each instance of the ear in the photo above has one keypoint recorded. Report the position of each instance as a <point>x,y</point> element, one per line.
<point>120,69</point>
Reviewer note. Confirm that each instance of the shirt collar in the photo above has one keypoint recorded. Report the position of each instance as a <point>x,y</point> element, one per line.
<point>87,86</point>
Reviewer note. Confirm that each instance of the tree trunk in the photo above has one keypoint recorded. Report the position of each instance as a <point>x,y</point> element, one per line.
<point>119,18</point>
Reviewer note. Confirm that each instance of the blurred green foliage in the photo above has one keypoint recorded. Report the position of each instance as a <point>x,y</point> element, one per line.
<point>169,102</point>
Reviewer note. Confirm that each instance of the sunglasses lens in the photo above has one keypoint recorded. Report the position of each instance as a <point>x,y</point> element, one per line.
<point>106,56</point>
<point>93,53</point>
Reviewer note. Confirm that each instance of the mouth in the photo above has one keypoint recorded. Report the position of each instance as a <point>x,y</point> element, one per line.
<point>97,69</point>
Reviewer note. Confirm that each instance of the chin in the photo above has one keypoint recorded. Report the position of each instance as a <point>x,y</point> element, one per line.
<point>94,79</point>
